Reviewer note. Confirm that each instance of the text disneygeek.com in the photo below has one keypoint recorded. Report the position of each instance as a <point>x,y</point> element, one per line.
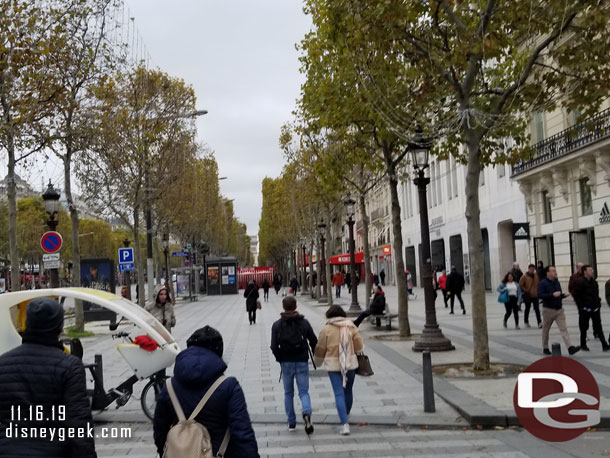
<point>61,434</point>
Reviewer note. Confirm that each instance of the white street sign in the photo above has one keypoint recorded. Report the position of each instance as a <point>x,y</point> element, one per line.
<point>50,257</point>
<point>51,264</point>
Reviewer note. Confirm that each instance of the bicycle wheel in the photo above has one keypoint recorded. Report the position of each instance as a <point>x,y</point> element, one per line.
<point>150,392</point>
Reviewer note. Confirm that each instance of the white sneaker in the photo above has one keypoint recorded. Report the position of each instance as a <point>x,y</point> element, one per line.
<point>344,430</point>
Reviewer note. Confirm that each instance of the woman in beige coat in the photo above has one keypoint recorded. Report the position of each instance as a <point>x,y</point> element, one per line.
<point>338,344</point>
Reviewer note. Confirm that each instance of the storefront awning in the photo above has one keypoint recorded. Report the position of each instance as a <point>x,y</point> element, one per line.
<point>344,258</point>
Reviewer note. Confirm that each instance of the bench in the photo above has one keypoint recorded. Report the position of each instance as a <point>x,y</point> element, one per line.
<point>386,315</point>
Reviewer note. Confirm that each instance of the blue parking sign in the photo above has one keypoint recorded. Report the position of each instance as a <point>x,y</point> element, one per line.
<point>126,256</point>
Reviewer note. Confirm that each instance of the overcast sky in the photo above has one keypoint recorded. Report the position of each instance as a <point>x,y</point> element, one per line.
<point>240,57</point>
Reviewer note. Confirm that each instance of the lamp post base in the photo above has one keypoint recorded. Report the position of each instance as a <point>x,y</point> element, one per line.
<point>432,339</point>
<point>323,300</point>
<point>355,308</point>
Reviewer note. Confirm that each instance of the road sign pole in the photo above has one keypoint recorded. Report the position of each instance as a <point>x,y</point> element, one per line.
<point>127,274</point>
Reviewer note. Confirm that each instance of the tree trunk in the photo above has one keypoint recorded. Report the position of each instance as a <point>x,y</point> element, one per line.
<point>318,270</point>
<point>403,298</point>
<point>11,192</point>
<point>475,249</point>
<point>311,267</point>
<point>79,315</point>
<point>367,250</point>
<point>140,260</point>
<point>329,289</point>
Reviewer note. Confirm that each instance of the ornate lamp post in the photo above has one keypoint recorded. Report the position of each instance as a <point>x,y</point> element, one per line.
<point>322,261</point>
<point>431,338</point>
<point>165,244</point>
<point>350,205</point>
<point>51,206</point>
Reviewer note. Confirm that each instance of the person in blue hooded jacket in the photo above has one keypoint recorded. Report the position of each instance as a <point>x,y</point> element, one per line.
<point>195,370</point>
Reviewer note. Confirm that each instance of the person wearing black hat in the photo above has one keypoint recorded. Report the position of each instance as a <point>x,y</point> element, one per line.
<point>196,369</point>
<point>40,375</point>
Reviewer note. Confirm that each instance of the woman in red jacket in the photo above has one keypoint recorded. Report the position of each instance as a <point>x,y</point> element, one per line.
<point>442,284</point>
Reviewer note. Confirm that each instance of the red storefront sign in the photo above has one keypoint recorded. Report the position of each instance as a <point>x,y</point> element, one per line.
<point>387,249</point>
<point>344,258</point>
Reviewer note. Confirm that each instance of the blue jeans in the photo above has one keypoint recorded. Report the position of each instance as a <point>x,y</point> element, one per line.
<point>338,291</point>
<point>343,396</point>
<point>300,371</point>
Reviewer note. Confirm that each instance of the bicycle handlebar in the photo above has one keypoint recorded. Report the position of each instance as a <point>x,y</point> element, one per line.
<point>118,335</point>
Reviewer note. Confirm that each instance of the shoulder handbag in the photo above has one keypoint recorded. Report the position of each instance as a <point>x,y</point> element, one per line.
<point>503,297</point>
<point>364,366</point>
<point>259,305</point>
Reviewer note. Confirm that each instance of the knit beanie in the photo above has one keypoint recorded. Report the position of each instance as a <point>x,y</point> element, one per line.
<point>44,316</point>
<point>207,337</point>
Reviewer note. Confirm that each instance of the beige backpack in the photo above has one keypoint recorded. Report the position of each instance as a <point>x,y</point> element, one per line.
<point>189,438</point>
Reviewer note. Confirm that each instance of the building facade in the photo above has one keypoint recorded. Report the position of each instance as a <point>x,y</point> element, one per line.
<point>502,208</point>
<point>566,183</point>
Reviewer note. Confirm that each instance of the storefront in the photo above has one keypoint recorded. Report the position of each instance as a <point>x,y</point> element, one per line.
<point>342,261</point>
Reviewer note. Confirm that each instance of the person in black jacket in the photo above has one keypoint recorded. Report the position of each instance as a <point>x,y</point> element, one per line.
<point>294,285</point>
<point>195,370</point>
<point>549,292</point>
<point>455,286</point>
<point>608,292</point>
<point>586,296</point>
<point>251,295</point>
<point>376,307</point>
<point>290,336</point>
<point>265,286</point>
<point>40,375</point>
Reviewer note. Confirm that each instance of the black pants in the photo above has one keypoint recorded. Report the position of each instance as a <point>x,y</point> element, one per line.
<point>446,298</point>
<point>583,323</point>
<point>459,296</point>
<point>529,301</point>
<point>252,315</point>
<point>266,294</point>
<point>512,306</point>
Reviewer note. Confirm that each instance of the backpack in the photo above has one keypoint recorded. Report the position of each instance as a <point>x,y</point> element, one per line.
<point>188,438</point>
<point>290,339</point>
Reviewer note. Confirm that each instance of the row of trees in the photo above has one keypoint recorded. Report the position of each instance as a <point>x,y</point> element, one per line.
<point>124,132</point>
<point>470,73</point>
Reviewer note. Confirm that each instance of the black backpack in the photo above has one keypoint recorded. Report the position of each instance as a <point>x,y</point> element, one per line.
<point>290,339</point>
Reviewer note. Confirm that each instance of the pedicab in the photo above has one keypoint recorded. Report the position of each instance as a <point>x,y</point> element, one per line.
<point>147,355</point>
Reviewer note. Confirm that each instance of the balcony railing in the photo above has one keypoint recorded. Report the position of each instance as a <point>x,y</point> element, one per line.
<point>586,133</point>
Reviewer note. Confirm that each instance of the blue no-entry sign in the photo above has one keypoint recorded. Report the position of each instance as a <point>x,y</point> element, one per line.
<point>125,255</point>
<point>51,242</point>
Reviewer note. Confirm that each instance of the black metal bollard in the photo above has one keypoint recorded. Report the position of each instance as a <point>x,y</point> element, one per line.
<point>428,383</point>
<point>556,349</point>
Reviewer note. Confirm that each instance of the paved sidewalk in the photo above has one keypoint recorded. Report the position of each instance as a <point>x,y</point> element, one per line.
<point>488,401</point>
<point>385,404</point>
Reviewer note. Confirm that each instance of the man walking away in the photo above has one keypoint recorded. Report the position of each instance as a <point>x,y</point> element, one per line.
<point>294,285</point>
<point>455,286</point>
<point>529,288</point>
<point>290,337</point>
<point>586,296</point>
<point>549,291</point>
<point>608,292</point>
<point>382,277</point>
<point>338,281</point>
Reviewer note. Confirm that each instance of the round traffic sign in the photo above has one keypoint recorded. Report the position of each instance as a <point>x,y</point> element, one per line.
<point>51,242</point>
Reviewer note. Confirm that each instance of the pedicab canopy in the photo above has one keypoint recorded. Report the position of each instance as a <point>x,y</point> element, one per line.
<point>13,305</point>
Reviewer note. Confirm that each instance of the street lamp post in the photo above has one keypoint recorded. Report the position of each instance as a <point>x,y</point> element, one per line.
<point>165,243</point>
<point>322,260</point>
<point>350,211</point>
<point>431,338</point>
<point>51,206</point>
<point>148,213</point>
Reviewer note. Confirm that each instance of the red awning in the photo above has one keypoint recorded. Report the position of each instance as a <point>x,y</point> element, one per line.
<point>344,258</point>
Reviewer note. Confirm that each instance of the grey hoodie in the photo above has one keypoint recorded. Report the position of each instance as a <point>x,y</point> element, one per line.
<point>162,312</point>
